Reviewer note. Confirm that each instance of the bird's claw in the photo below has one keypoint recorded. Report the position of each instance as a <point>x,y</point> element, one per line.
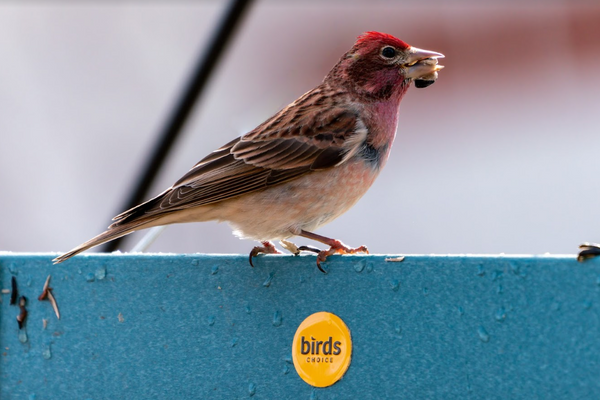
<point>310,248</point>
<point>338,248</point>
<point>588,250</point>
<point>266,248</point>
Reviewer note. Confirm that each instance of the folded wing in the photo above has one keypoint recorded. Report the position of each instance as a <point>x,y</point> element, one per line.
<point>291,144</point>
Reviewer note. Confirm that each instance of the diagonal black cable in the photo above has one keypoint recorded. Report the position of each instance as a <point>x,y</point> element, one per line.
<point>182,110</point>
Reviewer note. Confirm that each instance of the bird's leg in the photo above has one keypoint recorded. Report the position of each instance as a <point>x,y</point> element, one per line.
<point>335,247</point>
<point>588,250</point>
<point>266,248</point>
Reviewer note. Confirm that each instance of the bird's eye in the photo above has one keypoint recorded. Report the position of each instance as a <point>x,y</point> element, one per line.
<point>388,52</point>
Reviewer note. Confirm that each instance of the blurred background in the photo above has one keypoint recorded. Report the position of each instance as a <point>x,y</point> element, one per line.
<point>499,156</point>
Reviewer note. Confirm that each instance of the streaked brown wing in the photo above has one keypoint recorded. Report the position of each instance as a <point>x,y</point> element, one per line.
<point>274,153</point>
<point>295,139</point>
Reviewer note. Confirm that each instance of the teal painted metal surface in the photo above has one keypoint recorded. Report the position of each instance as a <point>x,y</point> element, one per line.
<point>206,326</point>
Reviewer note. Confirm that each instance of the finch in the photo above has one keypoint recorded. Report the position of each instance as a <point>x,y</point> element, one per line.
<point>303,167</point>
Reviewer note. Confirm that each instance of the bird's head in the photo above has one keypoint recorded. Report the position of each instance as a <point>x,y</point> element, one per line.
<point>380,66</point>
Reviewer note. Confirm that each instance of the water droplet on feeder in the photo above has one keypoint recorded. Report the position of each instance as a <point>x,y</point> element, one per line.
<point>100,273</point>
<point>47,353</point>
<point>269,279</point>
<point>398,329</point>
<point>480,270</point>
<point>277,318</point>
<point>359,266</point>
<point>12,268</point>
<point>500,314</point>
<point>484,336</point>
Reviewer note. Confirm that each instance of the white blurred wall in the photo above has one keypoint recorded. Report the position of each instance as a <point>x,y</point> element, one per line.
<point>500,155</point>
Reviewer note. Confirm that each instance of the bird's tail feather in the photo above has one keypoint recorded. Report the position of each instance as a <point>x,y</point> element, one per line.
<point>112,233</point>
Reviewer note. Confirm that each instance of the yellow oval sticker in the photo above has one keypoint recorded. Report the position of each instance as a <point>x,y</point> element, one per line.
<point>321,349</point>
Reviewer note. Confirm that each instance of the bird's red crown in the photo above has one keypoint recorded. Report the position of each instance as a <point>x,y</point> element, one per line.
<point>382,38</point>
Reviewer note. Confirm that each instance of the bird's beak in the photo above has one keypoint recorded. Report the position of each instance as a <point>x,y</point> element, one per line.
<point>422,66</point>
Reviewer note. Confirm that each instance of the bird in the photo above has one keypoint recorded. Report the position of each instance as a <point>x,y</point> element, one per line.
<point>303,167</point>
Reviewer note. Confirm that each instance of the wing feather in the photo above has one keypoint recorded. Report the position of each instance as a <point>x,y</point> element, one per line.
<point>274,153</point>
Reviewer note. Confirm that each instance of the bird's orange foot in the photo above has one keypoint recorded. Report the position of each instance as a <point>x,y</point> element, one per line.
<point>337,247</point>
<point>588,250</point>
<point>266,248</point>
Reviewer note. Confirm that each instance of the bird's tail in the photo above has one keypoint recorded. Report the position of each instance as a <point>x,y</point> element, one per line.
<point>111,233</point>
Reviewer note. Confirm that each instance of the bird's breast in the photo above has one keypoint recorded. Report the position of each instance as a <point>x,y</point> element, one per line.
<point>304,203</point>
<point>381,119</point>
